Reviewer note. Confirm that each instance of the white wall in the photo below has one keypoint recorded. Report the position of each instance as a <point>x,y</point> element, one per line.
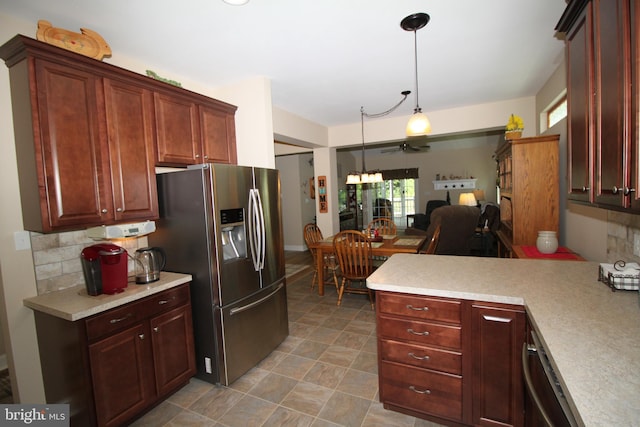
<point>17,277</point>
<point>582,228</point>
<point>298,206</point>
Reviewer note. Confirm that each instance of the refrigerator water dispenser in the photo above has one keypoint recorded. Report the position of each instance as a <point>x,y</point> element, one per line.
<point>234,243</point>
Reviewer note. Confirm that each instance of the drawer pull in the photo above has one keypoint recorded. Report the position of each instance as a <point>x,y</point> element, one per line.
<point>419,357</point>
<point>412,388</point>
<point>112,321</point>
<point>164,301</point>
<point>423,334</point>
<point>141,336</point>
<point>155,329</point>
<point>410,307</point>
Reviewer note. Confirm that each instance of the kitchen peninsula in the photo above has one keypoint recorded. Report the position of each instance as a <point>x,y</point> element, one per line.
<point>591,334</point>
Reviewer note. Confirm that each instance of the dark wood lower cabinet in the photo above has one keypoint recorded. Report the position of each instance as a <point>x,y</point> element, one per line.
<point>112,367</point>
<point>498,333</point>
<point>454,362</point>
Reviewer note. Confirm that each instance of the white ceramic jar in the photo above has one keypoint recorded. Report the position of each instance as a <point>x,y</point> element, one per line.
<point>547,242</point>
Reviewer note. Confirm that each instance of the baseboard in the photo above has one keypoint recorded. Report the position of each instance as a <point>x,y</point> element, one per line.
<point>295,248</point>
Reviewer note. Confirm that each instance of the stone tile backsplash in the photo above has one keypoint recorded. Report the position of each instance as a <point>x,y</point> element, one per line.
<point>56,258</point>
<point>623,232</point>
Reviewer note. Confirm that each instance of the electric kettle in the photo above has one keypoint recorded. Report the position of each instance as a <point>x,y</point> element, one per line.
<point>149,263</point>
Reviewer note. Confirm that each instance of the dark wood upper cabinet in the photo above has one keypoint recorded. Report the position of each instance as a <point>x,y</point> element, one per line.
<point>194,132</point>
<point>177,127</point>
<point>89,135</point>
<point>131,144</point>
<point>602,64</point>
<point>62,161</point>
<point>580,107</point>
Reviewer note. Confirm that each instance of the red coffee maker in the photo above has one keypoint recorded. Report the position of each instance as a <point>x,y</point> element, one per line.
<point>105,268</point>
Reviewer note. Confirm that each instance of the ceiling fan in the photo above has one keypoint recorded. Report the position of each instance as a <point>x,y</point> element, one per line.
<point>405,147</point>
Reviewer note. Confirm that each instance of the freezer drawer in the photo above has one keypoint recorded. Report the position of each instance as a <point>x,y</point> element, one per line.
<point>250,330</point>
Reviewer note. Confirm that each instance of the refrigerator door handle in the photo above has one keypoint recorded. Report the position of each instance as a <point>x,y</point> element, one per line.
<point>262,238</point>
<point>255,303</point>
<point>253,247</point>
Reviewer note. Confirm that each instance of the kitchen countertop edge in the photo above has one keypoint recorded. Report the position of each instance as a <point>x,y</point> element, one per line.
<point>75,304</point>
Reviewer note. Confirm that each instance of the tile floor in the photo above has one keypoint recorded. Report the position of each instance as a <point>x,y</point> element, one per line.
<point>323,374</point>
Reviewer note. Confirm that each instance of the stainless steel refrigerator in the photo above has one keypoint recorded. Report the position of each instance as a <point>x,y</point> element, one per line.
<point>222,224</point>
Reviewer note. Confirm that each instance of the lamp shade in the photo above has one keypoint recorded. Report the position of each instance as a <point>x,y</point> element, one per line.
<point>478,194</point>
<point>467,199</point>
<point>418,124</point>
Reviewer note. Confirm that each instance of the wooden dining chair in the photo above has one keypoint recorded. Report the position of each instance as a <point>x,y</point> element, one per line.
<point>354,254</point>
<point>313,234</point>
<point>383,225</point>
<point>433,243</point>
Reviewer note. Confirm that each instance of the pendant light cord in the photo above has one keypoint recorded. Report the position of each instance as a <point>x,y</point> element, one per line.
<point>373,116</point>
<point>415,56</point>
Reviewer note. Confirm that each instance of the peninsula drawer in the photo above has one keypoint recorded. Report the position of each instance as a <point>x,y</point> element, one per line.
<point>441,310</point>
<point>421,390</point>
<point>118,318</point>
<point>421,356</point>
<point>420,332</point>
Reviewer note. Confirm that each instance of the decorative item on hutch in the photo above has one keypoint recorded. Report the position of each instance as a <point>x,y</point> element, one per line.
<point>514,127</point>
<point>87,42</point>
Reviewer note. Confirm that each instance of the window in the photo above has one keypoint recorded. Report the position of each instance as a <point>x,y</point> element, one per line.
<point>557,112</point>
<point>401,193</point>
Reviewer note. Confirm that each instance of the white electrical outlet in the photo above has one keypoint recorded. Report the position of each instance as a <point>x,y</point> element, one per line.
<point>21,240</point>
<point>207,364</point>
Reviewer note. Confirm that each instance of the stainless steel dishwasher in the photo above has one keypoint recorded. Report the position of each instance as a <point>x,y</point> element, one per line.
<point>545,401</point>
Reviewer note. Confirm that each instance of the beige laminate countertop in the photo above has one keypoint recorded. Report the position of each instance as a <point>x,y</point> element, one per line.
<point>75,304</point>
<point>591,334</point>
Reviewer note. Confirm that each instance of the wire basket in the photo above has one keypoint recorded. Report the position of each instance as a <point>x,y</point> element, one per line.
<point>620,275</point>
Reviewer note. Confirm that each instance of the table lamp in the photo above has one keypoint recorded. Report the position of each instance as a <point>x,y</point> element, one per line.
<point>479,195</point>
<point>467,199</point>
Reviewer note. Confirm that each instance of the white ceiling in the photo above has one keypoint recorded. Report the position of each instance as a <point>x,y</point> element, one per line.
<point>326,58</point>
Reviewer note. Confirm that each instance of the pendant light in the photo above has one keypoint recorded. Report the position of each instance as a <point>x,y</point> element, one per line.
<point>364,176</point>
<point>419,122</point>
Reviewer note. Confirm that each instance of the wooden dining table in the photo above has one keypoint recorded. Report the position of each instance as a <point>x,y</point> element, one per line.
<point>388,246</point>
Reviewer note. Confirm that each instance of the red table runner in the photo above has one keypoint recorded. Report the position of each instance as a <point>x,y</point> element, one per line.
<point>561,253</point>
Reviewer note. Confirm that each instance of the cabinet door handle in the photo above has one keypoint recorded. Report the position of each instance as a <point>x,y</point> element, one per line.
<point>206,157</point>
<point>141,336</point>
<point>104,211</point>
<point>155,329</point>
<point>615,190</point>
<point>410,307</point>
<point>419,357</point>
<point>585,189</point>
<point>423,334</point>
<point>628,191</point>
<point>112,321</point>
<point>197,156</point>
<point>165,301</point>
<point>119,210</point>
<point>412,388</point>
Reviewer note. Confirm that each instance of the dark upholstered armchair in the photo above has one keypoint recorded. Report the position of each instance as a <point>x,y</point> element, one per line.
<point>421,221</point>
<point>457,227</point>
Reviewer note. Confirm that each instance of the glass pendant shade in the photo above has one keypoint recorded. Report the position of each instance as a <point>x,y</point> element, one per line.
<point>418,125</point>
<point>364,178</point>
